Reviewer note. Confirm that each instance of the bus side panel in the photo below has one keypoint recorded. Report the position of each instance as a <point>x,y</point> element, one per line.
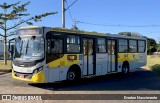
<point>58,68</point>
<point>53,74</point>
<point>64,69</point>
<point>58,74</point>
<point>101,63</point>
<point>63,72</point>
<point>119,66</point>
<point>131,58</point>
<point>138,61</point>
<point>135,60</point>
<point>142,57</point>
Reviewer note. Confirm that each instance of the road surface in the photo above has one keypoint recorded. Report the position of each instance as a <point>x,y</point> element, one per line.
<point>137,82</point>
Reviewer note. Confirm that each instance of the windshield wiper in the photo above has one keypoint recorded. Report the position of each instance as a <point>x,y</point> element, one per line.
<point>21,47</point>
<point>27,46</point>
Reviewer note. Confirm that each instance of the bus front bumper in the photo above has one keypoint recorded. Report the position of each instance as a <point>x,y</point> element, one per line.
<point>36,78</point>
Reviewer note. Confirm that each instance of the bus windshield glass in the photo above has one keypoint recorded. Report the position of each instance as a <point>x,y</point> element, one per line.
<point>29,48</point>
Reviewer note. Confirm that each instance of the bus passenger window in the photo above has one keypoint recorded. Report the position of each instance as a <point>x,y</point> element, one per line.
<point>55,46</point>
<point>90,47</point>
<point>73,44</point>
<point>85,48</point>
<point>141,46</point>
<point>123,45</point>
<point>113,48</point>
<point>101,45</point>
<point>132,46</point>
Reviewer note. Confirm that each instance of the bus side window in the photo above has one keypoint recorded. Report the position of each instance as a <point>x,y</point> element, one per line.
<point>54,49</point>
<point>54,46</point>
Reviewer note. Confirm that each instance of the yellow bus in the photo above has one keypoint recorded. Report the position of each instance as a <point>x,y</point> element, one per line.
<point>44,54</point>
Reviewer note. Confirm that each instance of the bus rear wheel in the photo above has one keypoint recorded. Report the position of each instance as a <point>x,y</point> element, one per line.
<point>125,68</point>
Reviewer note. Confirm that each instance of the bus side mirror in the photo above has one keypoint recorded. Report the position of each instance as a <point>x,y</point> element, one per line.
<point>11,47</point>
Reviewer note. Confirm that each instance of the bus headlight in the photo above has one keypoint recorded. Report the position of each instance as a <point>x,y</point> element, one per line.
<point>38,70</point>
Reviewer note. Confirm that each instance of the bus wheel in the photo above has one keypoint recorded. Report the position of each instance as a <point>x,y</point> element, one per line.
<point>71,75</point>
<point>125,68</point>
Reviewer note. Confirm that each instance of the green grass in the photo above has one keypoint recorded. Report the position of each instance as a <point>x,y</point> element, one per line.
<point>156,68</point>
<point>153,63</point>
<point>5,67</point>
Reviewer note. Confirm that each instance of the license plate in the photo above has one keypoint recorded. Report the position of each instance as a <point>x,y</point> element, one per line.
<point>21,76</point>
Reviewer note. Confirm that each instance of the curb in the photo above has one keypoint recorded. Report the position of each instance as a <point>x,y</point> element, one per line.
<point>5,71</point>
<point>1,73</point>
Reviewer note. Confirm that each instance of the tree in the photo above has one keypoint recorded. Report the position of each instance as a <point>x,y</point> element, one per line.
<point>125,33</point>
<point>158,47</point>
<point>129,34</point>
<point>14,13</point>
<point>151,45</point>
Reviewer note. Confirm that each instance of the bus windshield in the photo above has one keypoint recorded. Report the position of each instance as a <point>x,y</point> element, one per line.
<point>29,48</point>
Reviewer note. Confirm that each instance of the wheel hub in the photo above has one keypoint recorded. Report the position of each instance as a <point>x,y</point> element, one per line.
<point>71,75</point>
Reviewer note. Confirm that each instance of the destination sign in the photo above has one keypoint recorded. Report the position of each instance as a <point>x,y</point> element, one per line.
<point>29,31</point>
<point>72,57</point>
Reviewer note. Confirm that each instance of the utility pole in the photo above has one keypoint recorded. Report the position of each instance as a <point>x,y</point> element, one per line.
<point>63,14</point>
<point>74,25</point>
<point>64,10</point>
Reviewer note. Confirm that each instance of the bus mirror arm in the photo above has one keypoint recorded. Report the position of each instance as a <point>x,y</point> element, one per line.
<point>10,49</point>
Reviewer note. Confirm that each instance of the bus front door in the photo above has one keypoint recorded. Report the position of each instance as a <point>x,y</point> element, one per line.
<point>88,55</point>
<point>112,55</point>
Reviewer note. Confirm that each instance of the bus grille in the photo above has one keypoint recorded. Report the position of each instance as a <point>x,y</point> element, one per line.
<point>23,75</point>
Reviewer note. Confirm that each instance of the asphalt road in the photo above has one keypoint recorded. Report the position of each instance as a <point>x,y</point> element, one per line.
<point>137,80</point>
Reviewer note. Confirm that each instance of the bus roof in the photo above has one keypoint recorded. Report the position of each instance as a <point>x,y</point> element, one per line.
<point>95,33</point>
<point>85,32</point>
<point>77,31</point>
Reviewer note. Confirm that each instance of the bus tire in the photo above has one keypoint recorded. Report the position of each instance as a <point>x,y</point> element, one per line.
<point>72,75</point>
<point>125,68</point>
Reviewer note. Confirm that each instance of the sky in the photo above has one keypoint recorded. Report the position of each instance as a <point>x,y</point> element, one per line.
<point>142,16</point>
